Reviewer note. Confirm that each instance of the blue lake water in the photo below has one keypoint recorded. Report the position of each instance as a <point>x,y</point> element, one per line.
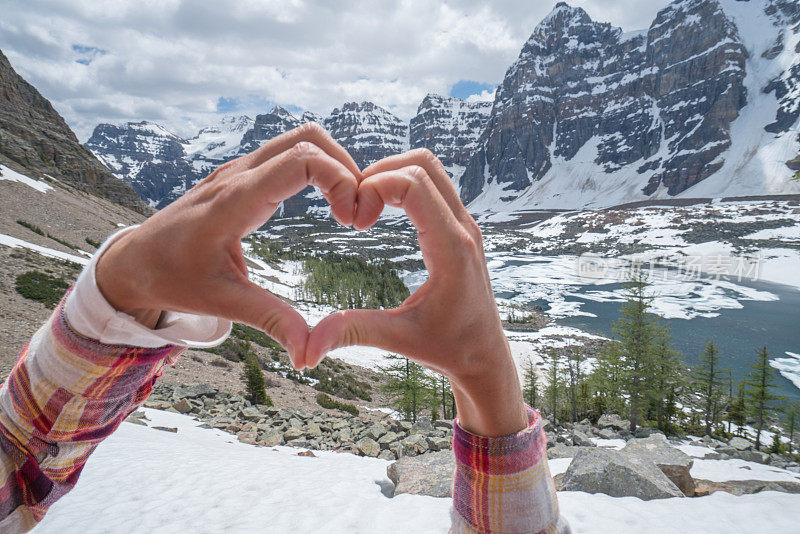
<point>737,332</point>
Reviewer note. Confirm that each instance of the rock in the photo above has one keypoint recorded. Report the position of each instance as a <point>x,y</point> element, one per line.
<point>247,437</point>
<point>597,470</point>
<point>426,474</point>
<point>137,418</point>
<point>308,454</point>
<point>387,455</point>
<point>613,421</point>
<point>674,463</point>
<point>744,487</point>
<point>375,431</point>
<point>708,441</point>
<point>271,438</point>
<point>439,444</point>
<point>292,434</point>
<point>547,426</point>
<point>387,439</point>
<point>166,429</point>
<point>295,423</point>
<point>422,426</point>
<point>582,440</point>
<point>413,445</point>
<point>752,456</point>
<point>563,451</point>
<point>645,432</point>
<point>193,391</point>
<point>368,447</point>
<point>313,430</point>
<point>607,433</point>
<point>250,414</point>
<point>741,444</point>
<point>345,434</point>
<point>182,406</point>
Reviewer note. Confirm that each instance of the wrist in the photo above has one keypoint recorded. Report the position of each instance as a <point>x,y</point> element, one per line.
<point>121,283</point>
<point>490,403</point>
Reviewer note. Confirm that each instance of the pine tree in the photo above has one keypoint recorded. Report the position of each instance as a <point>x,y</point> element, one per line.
<point>575,377</point>
<point>708,378</point>
<point>608,378</point>
<point>554,384</point>
<point>667,378</point>
<point>408,385</point>
<point>730,399</point>
<point>792,420</point>
<point>737,413</point>
<point>445,394</point>
<point>636,332</point>
<point>760,383</point>
<point>530,389</point>
<point>253,378</point>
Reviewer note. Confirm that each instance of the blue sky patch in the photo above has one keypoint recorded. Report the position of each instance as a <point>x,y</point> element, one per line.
<point>87,54</point>
<point>465,88</point>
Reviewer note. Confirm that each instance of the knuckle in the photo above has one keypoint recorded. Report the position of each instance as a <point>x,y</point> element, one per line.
<point>304,149</point>
<point>312,130</point>
<point>416,173</point>
<point>424,154</point>
<point>467,244</point>
<point>475,230</point>
<point>270,322</point>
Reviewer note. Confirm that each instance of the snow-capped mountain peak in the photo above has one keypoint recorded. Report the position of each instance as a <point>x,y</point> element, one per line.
<point>221,140</point>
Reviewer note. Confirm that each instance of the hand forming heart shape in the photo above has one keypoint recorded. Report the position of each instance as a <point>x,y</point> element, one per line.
<point>188,258</point>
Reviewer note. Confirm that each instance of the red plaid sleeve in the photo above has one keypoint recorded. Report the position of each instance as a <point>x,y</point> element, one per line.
<point>504,484</point>
<point>65,395</point>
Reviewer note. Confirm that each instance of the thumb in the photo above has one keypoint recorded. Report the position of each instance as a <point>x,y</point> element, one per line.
<point>385,329</point>
<point>254,306</point>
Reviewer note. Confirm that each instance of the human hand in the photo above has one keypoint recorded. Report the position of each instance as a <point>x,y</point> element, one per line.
<point>188,257</point>
<point>451,323</point>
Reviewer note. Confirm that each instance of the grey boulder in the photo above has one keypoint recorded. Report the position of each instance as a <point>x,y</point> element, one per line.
<point>427,474</point>
<point>597,470</point>
<point>673,462</point>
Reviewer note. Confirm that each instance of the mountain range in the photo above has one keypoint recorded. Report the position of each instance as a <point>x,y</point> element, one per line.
<point>703,103</point>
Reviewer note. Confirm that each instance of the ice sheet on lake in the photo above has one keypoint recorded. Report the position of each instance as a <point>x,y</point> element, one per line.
<point>560,282</point>
<point>789,367</point>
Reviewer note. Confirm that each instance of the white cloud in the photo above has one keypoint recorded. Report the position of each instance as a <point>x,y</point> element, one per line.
<point>171,60</point>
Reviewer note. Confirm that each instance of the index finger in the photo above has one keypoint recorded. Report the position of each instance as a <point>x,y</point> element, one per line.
<point>410,188</point>
<point>435,171</point>
<point>310,132</point>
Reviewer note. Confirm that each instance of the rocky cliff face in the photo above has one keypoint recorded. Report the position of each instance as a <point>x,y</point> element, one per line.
<point>703,103</point>
<point>367,131</point>
<point>144,154</point>
<point>663,98</point>
<point>450,128</point>
<point>162,166</point>
<point>35,139</point>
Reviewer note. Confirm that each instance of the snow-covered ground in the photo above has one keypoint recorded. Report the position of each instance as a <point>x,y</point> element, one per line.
<point>201,480</point>
<point>13,176</point>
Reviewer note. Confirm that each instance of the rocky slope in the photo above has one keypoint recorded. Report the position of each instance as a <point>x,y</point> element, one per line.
<point>367,131</point>
<point>591,115</point>
<point>35,140</point>
<point>449,127</point>
<point>145,155</point>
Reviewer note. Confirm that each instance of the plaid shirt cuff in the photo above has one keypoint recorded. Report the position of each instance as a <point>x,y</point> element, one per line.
<point>65,395</point>
<point>504,484</point>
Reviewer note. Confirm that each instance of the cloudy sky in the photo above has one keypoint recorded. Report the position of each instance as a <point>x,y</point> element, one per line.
<point>182,63</point>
